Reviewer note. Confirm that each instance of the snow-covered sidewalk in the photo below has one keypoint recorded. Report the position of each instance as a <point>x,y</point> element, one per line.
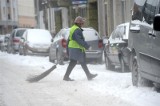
<point>109,88</point>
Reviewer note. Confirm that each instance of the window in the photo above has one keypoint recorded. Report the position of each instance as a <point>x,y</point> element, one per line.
<point>146,11</point>
<point>150,9</point>
<point>9,16</point>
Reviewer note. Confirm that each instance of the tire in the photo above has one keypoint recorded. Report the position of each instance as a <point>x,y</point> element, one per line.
<point>25,52</point>
<point>9,49</point>
<point>137,80</point>
<point>123,66</point>
<point>59,58</point>
<point>135,73</point>
<point>20,51</point>
<point>100,60</point>
<point>108,64</point>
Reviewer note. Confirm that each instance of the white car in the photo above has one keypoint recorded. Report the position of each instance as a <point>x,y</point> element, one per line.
<point>35,42</point>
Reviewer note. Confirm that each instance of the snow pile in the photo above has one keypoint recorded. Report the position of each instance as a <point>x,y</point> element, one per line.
<point>109,88</point>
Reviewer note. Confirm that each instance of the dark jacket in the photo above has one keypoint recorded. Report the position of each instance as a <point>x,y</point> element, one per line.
<point>75,53</point>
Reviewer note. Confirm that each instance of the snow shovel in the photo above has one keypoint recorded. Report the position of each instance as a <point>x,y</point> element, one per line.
<point>37,78</point>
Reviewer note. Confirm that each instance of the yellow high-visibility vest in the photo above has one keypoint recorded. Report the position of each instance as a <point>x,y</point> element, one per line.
<point>73,43</point>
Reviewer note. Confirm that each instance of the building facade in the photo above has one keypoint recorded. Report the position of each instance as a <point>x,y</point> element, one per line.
<point>8,15</point>
<point>102,15</point>
<point>26,14</point>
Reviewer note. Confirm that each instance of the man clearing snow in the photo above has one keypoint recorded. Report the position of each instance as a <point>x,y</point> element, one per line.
<point>76,49</point>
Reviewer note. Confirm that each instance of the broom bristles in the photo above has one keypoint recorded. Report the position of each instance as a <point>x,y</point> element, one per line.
<point>37,78</point>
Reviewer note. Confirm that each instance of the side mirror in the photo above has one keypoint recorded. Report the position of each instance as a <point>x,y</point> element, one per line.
<point>156,22</point>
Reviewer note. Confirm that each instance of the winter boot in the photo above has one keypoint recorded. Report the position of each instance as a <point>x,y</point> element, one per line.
<point>91,76</point>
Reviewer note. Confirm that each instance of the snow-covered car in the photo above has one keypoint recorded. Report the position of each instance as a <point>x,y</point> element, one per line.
<point>35,42</point>
<point>115,50</point>
<point>14,39</point>
<point>58,47</point>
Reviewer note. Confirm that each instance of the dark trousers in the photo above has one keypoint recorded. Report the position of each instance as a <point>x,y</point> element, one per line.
<point>72,65</point>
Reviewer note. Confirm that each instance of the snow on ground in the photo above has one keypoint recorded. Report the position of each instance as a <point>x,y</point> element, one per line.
<point>109,88</point>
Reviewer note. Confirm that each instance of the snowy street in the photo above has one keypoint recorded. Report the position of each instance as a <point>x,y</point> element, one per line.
<point>109,88</point>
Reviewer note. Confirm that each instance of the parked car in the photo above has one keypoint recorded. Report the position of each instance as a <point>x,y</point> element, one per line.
<point>35,42</point>
<point>13,43</point>
<point>3,42</point>
<point>58,47</point>
<point>115,51</point>
<point>144,43</point>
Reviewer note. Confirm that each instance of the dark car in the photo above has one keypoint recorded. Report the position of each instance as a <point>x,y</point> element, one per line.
<point>144,43</point>
<point>115,51</point>
<point>58,47</point>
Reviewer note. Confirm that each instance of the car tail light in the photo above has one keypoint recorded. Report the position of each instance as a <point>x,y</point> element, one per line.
<point>100,43</point>
<point>15,40</point>
<point>64,43</point>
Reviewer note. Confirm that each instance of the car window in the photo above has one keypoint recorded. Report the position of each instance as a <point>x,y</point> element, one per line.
<point>118,33</point>
<point>145,11</point>
<point>90,35</point>
<point>19,33</point>
<point>65,34</point>
<point>58,35</point>
<point>39,36</point>
<point>150,10</point>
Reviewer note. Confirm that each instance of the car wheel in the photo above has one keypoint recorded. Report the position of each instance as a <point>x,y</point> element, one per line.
<point>137,80</point>
<point>20,50</point>
<point>25,52</point>
<point>123,66</point>
<point>50,56</point>
<point>59,58</point>
<point>108,64</point>
<point>9,49</point>
<point>100,60</point>
<point>135,72</point>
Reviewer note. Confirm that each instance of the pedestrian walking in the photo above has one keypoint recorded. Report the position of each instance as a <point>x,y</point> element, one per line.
<point>76,49</point>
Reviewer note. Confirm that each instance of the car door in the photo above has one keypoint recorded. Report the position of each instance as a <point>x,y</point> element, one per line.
<point>139,37</point>
<point>152,60</point>
<point>155,60</point>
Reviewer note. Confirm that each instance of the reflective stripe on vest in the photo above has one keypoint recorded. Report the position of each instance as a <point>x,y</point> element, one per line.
<point>73,43</point>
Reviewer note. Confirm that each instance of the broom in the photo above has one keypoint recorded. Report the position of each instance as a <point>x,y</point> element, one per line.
<point>37,78</point>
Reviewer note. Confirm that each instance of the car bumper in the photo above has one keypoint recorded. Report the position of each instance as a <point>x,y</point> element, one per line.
<point>93,54</point>
<point>16,47</point>
<point>40,52</point>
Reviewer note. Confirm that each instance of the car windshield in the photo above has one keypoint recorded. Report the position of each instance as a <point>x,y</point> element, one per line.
<point>39,36</point>
<point>20,33</point>
<point>90,35</point>
<point>65,33</point>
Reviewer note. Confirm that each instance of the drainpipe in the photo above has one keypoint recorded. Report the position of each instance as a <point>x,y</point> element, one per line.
<point>101,17</point>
